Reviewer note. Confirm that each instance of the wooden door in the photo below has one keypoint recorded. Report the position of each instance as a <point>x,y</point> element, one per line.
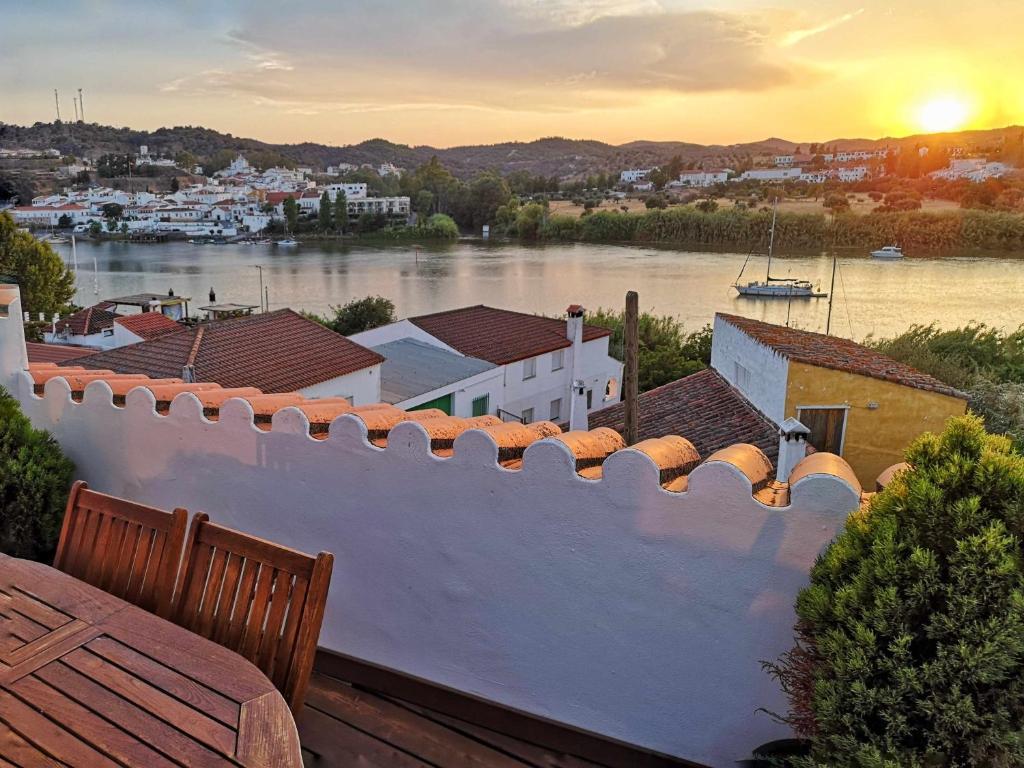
<point>827,427</point>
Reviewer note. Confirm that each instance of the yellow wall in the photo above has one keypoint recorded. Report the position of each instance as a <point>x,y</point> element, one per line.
<point>875,438</point>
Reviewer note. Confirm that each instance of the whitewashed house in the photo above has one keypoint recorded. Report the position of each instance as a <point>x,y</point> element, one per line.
<point>543,362</point>
<point>633,175</point>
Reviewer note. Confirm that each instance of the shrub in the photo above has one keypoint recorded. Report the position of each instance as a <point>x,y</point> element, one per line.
<point>358,315</point>
<point>910,637</point>
<point>35,477</point>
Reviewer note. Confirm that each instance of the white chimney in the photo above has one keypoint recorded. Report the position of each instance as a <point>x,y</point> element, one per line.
<point>792,447</point>
<point>578,393</point>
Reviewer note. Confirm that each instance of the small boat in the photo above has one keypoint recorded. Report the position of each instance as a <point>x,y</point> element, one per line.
<point>287,242</point>
<point>888,252</point>
<point>775,287</point>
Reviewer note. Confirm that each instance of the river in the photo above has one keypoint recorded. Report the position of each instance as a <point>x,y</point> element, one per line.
<point>871,297</point>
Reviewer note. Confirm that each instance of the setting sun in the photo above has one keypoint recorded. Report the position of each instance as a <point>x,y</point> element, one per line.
<point>943,114</point>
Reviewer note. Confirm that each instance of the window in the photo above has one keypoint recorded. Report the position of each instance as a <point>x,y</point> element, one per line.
<point>827,425</point>
<point>742,377</point>
<point>558,360</point>
<point>556,409</point>
<point>527,416</point>
<point>481,405</point>
<point>529,368</point>
<point>108,331</point>
<point>590,399</point>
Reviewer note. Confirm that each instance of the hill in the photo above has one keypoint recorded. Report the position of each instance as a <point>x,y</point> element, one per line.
<point>552,156</point>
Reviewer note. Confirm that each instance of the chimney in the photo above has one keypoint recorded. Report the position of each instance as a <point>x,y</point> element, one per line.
<point>154,306</point>
<point>792,447</point>
<point>578,392</point>
<point>188,374</point>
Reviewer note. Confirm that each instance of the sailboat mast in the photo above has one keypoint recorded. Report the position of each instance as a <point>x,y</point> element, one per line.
<point>771,239</point>
<point>831,293</point>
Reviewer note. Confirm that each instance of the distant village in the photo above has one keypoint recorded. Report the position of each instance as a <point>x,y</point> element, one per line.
<point>242,201</point>
<point>235,200</point>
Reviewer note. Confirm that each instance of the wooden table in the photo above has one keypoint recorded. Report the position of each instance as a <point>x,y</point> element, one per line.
<point>88,680</point>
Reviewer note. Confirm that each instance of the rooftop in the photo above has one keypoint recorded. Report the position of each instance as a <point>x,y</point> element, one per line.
<point>702,407</point>
<point>55,353</point>
<point>88,321</point>
<point>500,336</point>
<point>145,299</point>
<point>148,325</point>
<point>413,368</point>
<point>279,351</point>
<point>837,353</point>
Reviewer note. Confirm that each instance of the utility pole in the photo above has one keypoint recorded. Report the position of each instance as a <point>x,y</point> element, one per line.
<point>81,105</point>
<point>260,268</point>
<point>74,102</point>
<point>56,101</point>
<point>632,380</point>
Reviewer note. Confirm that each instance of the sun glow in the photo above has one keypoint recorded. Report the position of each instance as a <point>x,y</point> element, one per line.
<point>946,113</point>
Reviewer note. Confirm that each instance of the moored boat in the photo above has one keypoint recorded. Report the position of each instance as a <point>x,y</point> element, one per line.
<point>888,252</point>
<point>775,287</point>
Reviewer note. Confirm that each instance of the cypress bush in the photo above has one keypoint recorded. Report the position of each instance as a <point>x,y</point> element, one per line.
<point>910,637</point>
<point>35,478</point>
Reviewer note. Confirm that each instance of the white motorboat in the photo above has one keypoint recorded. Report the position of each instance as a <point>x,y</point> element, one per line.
<point>775,287</point>
<point>287,242</point>
<point>888,252</point>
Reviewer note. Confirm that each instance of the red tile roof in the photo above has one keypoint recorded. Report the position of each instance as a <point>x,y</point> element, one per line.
<point>54,353</point>
<point>838,354</point>
<point>278,351</point>
<point>88,321</point>
<point>704,409</point>
<point>148,325</point>
<point>500,336</point>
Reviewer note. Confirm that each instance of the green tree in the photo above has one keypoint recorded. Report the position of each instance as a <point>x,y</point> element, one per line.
<point>910,637</point>
<point>46,283</point>
<point>529,220</point>
<point>64,221</point>
<point>175,184</point>
<point>837,203</point>
<point>95,228</point>
<point>707,205</point>
<point>35,478</point>
<point>112,211</point>
<point>423,202</point>
<point>658,177</point>
<point>325,219</point>
<point>291,213</point>
<point>341,211</point>
<point>186,161</point>
<point>667,352</point>
<point>359,315</point>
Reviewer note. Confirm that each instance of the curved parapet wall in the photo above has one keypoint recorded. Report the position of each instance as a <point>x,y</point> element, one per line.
<point>629,591</point>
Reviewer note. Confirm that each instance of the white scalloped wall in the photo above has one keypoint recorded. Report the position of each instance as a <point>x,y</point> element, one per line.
<point>612,605</point>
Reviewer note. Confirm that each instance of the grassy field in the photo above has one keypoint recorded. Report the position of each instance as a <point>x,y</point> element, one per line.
<point>859,203</point>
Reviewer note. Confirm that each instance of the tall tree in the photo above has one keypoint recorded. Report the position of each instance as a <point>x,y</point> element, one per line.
<point>46,283</point>
<point>341,211</point>
<point>325,218</point>
<point>291,213</point>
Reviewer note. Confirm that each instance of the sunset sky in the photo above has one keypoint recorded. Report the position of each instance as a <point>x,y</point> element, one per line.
<point>448,72</point>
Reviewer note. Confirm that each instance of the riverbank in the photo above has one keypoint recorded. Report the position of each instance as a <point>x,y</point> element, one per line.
<point>934,232</point>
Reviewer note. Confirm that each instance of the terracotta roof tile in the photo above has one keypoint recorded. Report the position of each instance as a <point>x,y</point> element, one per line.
<point>500,336</point>
<point>278,351</point>
<point>704,409</point>
<point>88,321</point>
<point>836,353</point>
<point>148,325</point>
<point>55,353</point>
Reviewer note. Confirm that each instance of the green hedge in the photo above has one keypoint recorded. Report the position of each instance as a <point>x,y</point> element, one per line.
<point>35,478</point>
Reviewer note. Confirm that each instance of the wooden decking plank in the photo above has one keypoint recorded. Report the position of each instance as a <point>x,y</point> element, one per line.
<point>338,745</point>
<point>88,726</point>
<point>112,707</point>
<point>535,755</point>
<point>402,728</point>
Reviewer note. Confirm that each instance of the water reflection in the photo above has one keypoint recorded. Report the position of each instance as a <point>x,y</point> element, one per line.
<point>870,296</point>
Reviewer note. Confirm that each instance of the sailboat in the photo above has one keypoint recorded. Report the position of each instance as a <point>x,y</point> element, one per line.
<point>775,287</point>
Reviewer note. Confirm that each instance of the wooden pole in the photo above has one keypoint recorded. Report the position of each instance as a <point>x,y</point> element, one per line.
<point>632,379</point>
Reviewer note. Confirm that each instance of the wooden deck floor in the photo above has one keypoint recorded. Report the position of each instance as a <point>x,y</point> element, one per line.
<point>344,726</point>
<point>347,725</point>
